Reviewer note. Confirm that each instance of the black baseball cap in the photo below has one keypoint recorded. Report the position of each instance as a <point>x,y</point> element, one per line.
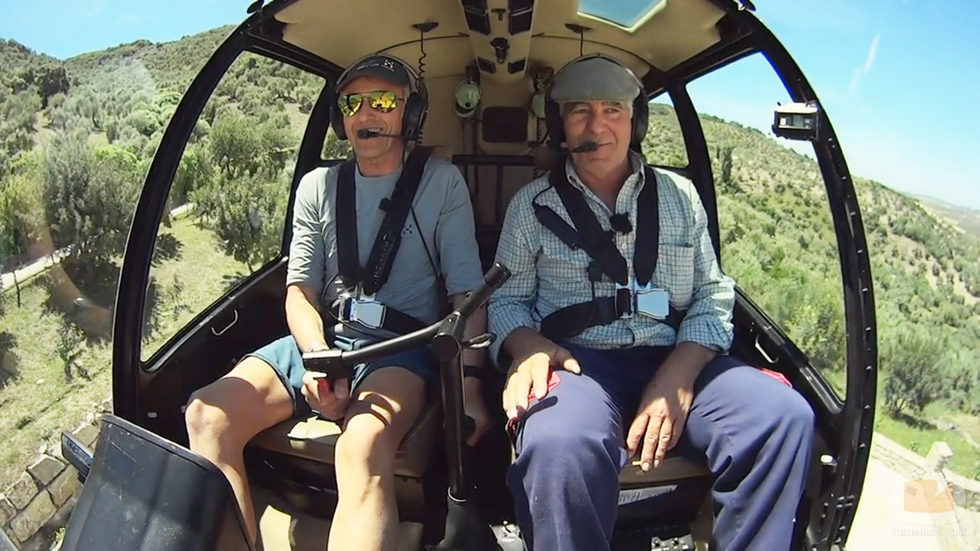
<point>384,67</point>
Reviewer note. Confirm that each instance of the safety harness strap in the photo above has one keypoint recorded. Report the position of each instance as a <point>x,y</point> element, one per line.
<point>588,235</point>
<point>375,274</point>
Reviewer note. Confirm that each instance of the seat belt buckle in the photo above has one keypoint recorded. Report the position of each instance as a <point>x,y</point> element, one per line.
<point>650,301</point>
<point>625,303</point>
<point>367,312</point>
<point>343,307</point>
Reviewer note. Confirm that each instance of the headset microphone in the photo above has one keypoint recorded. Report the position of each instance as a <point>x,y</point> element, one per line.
<point>586,147</point>
<point>364,133</point>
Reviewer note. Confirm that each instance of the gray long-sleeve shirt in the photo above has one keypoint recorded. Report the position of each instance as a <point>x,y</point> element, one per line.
<point>442,206</point>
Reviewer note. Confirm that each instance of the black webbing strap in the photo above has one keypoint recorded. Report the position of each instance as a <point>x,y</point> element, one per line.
<point>572,320</point>
<point>647,228</point>
<point>598,244</point>
<point>374,275</point>
<point>345,215</point>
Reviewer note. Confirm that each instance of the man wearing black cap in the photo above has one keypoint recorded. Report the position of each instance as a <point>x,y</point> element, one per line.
<point>616,325</point>
<point>339,294</point>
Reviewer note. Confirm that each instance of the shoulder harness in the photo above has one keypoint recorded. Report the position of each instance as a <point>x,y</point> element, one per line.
<point>588,235</point>
<point>373,276</point>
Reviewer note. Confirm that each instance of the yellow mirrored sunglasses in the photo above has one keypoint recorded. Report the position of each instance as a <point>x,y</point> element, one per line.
<point>383,101</point>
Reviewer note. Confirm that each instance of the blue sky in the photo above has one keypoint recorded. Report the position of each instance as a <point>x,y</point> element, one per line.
<point>899,78</point>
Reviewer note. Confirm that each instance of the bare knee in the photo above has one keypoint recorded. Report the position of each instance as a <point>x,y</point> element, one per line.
<point>366,443</point>
<point>204,416</point>
<point>236,407</point>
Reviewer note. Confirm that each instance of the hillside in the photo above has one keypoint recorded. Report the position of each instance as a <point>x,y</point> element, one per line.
<point>170,65</point>
<point>964,218</point>
<point>779,245</point>
<point>76,138</point>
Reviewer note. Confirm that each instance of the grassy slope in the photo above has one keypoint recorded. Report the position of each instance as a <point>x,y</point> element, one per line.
<point>201,269</point>
<point>39,404</point>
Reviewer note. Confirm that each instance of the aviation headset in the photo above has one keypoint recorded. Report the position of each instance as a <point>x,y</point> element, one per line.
<point>416,104</point>
<point>641,111</point>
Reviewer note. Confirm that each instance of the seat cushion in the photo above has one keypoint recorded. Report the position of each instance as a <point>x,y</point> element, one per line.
<point>674,467</point>
<point>315,438</point>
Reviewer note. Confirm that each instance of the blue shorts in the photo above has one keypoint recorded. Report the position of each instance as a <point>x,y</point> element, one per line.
<point>285,358</point>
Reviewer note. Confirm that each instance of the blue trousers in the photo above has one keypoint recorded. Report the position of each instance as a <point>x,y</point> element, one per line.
<point>755,433</point>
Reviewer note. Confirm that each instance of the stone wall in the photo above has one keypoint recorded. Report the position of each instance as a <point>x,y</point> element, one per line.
<point>34,507</point>
<point>915,467</point>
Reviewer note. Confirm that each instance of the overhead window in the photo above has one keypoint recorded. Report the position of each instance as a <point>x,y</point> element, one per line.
<point>625,13</point>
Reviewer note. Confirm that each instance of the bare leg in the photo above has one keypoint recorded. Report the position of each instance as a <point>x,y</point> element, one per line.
<point>223,416</point>
<point>388,403</point>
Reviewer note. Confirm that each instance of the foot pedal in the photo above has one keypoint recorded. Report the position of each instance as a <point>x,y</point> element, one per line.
<point>677,543</point>
<point>508,537</point>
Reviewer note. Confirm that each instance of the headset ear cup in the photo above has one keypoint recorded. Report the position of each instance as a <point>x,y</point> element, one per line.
<point>552,121</point>
<point>641,118</point>
<point>416,107</point>
<point>336,118</point>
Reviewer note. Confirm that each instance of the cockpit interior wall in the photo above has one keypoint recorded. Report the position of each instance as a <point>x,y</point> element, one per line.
<point>503,69</point>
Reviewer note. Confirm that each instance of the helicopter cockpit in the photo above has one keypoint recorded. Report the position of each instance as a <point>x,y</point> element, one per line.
<point>485,66</point>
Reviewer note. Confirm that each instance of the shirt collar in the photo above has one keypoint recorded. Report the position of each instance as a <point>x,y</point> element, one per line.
<point>635,178</point>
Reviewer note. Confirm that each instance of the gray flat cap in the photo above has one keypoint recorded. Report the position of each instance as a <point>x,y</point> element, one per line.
<point>594,79</point>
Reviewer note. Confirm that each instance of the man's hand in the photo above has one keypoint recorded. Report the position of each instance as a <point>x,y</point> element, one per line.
<point>330,400</point>
<point>665,404</point>
<point>535,357</point>
<point>474,408</point>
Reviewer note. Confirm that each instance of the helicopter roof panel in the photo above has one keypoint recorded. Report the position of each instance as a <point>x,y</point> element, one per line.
<point>663,33</point>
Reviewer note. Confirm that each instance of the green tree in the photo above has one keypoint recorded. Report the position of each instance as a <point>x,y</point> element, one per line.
<point>247,214</point>
<point>963,377</point>
<point>21,213</point>
<point>196,169</point>
<point>17,115</point>
<point>245,200</point>
<point>49,78</point>
<point>144,121</point>
<point>69,348</point>
<point>334,147</point>
<point>725,159</point>
<point>911,359</point>
<point>89,196</point>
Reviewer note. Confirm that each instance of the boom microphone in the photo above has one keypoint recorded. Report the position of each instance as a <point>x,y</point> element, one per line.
<point>586,147</point>
<point>364,134</point>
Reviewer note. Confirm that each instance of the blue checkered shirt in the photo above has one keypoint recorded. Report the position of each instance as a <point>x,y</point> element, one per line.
<point>549,275</point>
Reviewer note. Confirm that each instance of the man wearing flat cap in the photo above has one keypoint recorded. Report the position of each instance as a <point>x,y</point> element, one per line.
<point>615,327</point>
